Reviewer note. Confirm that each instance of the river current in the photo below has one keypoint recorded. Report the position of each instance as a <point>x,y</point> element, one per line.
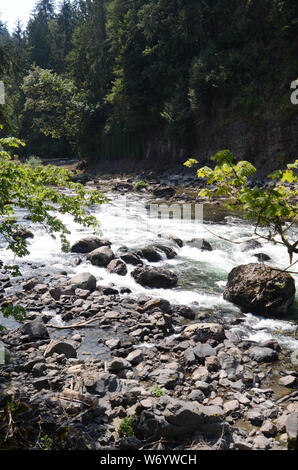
<point>127,221</point>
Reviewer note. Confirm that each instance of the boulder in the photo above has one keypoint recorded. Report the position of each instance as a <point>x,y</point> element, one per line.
<point>169,236</point>
<point>23,233</point>
<point>169,252</point>
<point>88,244</point>
<point>262,257</point>
<point>61,347</point>
<point>161,304</point>
<point>131,258</point>
<point>150,253</point>
<point>101,256</point>
<point>154,277</point>
<point>165,192</point>
<point>35,330</point>
<point>184,311</point>
<point>116,266</point>
<point>260,289</point>
<point>292,431</point>
<point>263,354</point>
<point>251,245</point>
<point>201,244</point>
<point>84,281</point>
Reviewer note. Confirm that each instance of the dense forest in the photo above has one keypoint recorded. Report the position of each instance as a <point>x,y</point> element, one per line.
<point>122,79</point>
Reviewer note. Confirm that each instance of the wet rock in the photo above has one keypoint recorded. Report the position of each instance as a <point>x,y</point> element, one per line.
<point>23,233</point>
<point>131,258</point>
<point>169,252</point>
<point>251,245</point>
<point>154,277</point>
<point>85,281</point>
<point>260,289</point>
<point>101,256</point>
<point>262,257</point>
<point>169,236</point>
<point>201,244</point>
<point>61,347</point>
<point>116,266</point>
<point>88,244</point>
<point>164,192</point>
<point>263,354</point>
<point>150,253</point>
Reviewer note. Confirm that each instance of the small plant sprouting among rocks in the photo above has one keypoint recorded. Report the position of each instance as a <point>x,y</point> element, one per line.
<point>125,428</point>
<point>140,184</point>
<point>157,392</point>
<point>46,442</point>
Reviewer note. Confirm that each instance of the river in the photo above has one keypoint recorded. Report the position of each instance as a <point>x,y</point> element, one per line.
<point>202,274</point>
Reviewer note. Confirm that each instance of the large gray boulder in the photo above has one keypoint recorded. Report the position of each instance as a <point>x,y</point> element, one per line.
<point>101,256</point>
<point>116,266</point>
<point>35,330</point>
<point>154,277</point>
<point>85,281</point>
<point>88,244</point>
<point>61,347</point>
<point>260,289</point>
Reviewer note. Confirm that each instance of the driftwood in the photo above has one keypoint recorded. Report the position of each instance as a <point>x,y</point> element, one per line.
<point>77,325</point>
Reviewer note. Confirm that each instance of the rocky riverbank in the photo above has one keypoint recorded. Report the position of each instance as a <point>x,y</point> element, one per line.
<point>155,375</point>
<point>169,377</point>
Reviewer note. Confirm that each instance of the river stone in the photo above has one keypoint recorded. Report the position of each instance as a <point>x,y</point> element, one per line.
<point>262,257</point>
<point>162,304</point>
<point>169,252</point>
<point>116,266</point>
<point>85,281</point>
<point>201,351</point>
<point>23,233</point>
<point>184,311</point>
<point>263,354</point>
<point>131,258</point>
<point>201,244</point>
<point>154,277</point>
<point>101,256</point>
<point>250,245</point>
<point>169,236</point>
<point>260,289</point>
<point>88,244</point>
<point>150,253</point>
<point>61,347</point>
<point>102,384</point>
<point>203,331</point>
<point>35,330</point>
<point>164,191</point>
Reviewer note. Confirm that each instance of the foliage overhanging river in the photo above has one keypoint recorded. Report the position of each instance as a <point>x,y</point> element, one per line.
<point>202,274</point>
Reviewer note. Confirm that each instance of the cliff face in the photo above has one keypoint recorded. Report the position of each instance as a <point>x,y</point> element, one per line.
<point>269,144</point>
